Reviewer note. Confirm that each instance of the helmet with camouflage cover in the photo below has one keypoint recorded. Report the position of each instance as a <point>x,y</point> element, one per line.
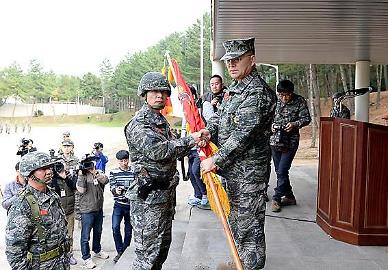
<point>33,161</point>
<point>153,81</point>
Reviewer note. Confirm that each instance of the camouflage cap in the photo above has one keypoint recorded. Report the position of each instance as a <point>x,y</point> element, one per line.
<point>66,133</point>
<point>68,142</point>
<point>33,161</point>
<point>153,81</point>
<point>237,47</point>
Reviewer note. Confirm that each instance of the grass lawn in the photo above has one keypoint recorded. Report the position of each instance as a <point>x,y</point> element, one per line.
<point>105,120</point>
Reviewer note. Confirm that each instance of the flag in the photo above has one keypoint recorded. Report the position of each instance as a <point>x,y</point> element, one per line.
<point>168,109</point>
<point>195,123</point>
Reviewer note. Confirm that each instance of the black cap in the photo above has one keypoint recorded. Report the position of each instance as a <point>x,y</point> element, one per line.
<point>122,154</point>
<point>285,86</point>
<point>98,145</point>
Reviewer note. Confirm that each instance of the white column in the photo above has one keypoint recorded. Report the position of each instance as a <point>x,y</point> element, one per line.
<point>362,80</point>
<point>218,68</point>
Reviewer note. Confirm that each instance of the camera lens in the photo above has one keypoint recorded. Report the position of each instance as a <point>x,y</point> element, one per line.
<point>58,167</point>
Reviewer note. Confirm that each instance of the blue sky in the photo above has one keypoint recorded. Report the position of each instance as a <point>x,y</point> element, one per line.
<point>74,36</point>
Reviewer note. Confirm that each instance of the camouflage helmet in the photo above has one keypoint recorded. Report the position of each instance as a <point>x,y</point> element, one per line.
<point>33,161</point>
<point>153,81</point>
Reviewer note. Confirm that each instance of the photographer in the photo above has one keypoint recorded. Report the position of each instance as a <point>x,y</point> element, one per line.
<point>12,189</point>
<point>64,185</point>
<point>25,147</point>
<point>291,114</point>
<point>339,110</point>
<point>102,159</point>
<point>120,179</point>
<point>90,185</point>
<point>212,101</point>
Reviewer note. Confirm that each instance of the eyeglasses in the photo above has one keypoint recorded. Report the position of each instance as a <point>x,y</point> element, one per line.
<point>284,94</point>
<point>236,60</point>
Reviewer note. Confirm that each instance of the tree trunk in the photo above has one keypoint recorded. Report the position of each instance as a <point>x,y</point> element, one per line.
<point>317,94</point>
<point>343,78</point>
<point>386,76</point>
<point>351,86</point>
<point>379,75</point>
<point>314,124</point>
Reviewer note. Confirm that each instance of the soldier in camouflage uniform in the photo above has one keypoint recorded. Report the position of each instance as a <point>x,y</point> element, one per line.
<point>153,153</point>
<point>291,114</point>
<point>339,110</point>
<point>243,124</point>
<point>36,233</point>
<point>71,166</point>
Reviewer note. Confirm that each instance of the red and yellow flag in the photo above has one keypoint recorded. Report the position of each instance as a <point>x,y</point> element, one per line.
<point>196,123</point>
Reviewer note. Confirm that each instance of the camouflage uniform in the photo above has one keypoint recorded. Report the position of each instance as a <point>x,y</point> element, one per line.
<point>72,165</point>
<point>22,233</point>
<point>295,111</point>
<point>153,153</point>
<point>242,124</point>
<point>344,112</point>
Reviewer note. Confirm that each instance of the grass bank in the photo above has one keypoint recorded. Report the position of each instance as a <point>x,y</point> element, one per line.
<point>104,120</point>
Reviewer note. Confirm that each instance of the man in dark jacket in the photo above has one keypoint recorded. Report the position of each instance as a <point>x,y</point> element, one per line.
<point>291,115</point>
<point>64,185</point>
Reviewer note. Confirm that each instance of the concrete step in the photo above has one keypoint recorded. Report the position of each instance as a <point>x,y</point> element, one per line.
<point>205,245</point>
<point>198,242</point>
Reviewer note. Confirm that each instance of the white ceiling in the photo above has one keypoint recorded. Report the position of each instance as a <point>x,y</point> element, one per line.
<point>322,32</point>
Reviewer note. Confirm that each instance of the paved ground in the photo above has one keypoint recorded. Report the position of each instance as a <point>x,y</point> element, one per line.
<point>294,241</point>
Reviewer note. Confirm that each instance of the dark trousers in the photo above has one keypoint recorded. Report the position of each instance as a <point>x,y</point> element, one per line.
<point>121,211</point>
<point>195,174</point>
<point>282,162</point>
<point>89,221</point>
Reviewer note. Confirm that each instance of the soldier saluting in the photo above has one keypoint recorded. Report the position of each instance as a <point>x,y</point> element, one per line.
<point>36,233</point>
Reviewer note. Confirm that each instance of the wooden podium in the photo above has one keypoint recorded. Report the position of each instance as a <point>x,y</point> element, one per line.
<point>352,201</point>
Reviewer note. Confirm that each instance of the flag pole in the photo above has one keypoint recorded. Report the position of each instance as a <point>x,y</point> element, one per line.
<point>225,225</point>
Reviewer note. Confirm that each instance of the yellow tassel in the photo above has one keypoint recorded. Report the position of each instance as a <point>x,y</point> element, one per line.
<point>170,76</point>
<point>221,193</point>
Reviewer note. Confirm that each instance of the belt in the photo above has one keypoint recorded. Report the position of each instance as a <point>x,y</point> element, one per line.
<point>48,255</point>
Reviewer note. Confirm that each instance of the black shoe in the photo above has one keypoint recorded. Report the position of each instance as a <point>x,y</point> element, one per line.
<point>276,206</point>
<point>288,201</point>
<point>117,258</point>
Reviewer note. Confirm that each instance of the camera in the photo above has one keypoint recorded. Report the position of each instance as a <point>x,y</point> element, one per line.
<point>24,142</point>
<point>87,162</point>
<point>52,153</point>
<point>278,127</point>
<point>24,147</point>
<point>280,139</point>
<point>58,167</point>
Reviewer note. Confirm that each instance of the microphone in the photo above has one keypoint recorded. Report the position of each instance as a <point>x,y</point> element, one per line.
<point>360,91</point>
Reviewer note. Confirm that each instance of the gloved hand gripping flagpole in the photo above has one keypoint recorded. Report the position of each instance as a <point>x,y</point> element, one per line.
<point>209,178</point>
